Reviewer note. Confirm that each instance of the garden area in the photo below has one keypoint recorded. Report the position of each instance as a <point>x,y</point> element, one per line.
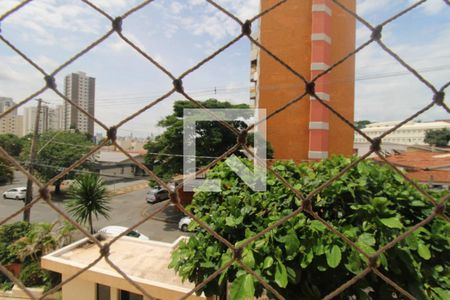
<point>22,244</point>
<point>301,258</point>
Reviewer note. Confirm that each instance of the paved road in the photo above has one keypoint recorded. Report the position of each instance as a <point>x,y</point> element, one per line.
<point>127,210</point>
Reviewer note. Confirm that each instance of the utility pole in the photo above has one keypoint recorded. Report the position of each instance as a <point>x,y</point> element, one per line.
<point>29,194</point>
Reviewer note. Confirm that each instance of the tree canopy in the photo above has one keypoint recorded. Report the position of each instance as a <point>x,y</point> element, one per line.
<point>11,143</point>
<point>302,259</point>
<point>57,150</point>
<point>6,172</point>
<point>164,153</point>
<point>438,138</point>
<point>362,124</point>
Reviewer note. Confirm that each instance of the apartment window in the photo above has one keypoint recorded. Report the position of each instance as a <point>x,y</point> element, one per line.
<point>125,295</point>
<point>103,292</point>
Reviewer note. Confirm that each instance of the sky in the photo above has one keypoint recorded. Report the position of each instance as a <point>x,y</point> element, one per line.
<point>180,33</point>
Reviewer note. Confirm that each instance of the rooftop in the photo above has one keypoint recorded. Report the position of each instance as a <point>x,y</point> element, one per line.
<point>423,166</point>
<point>407,126</point>
<point>420,159</point>
<point>430,176</point>
<point>146,262</point>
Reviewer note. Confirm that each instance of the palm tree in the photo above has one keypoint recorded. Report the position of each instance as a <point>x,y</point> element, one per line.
<point>41,239</point>
<point>88,197</point>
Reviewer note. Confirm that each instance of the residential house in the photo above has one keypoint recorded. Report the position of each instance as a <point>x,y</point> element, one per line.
<point>144,262</point>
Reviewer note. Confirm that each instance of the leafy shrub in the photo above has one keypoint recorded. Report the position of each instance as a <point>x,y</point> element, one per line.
<point>32,275</point>
<point>10,233</point>
<point>6,285</point>
<point>26,243</point>
<point>6,172</point>
<point>302,259</point>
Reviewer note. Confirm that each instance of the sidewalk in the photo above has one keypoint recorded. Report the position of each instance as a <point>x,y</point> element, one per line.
<point>121,188</point>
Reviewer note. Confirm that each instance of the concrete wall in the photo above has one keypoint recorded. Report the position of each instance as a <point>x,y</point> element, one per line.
<point>125,171</point>
<point>17,294</point>
<point>77,289</point>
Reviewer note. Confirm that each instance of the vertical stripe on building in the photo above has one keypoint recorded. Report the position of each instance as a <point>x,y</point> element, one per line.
<point>320,60</point>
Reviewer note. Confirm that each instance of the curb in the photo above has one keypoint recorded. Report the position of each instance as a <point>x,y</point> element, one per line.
<point>129,189</point>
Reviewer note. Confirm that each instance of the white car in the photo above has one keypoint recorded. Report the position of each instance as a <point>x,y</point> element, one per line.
<point>156,195</point>
<point>15,193</point>
<point>116,230</point>
<point>184,223</point>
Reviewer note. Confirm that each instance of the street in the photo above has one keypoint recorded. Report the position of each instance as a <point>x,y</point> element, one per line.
<point>127,210</point>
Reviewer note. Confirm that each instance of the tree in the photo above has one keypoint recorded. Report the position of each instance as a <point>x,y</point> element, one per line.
<point>26,243</point>
<point>438,138</point>
<point>164,153</point>
<point>88,197</point>
<point>41,239</point>
<point>6,173</point>
<point>302,259</point>
<point>56,151</point>
<point>11,143</point>
<point>362,124</point>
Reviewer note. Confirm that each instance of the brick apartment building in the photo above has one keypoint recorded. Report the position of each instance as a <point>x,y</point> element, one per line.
<point>309,36</point>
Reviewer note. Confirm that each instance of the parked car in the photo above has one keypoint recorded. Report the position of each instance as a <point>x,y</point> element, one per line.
<point>184,223</point>
<point>116,230</point>
<point>156,195</point>
<point>15,193</point>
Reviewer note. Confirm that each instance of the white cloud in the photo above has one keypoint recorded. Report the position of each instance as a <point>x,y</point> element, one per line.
<point>17,78</point>
<point>433,7</point>
<point>115,7</point>
<point>176,7</point>
<point>116,44</point>
<point>397,94</point>
<point>371,7</point>
<point>215,23</point>
<point>196,2</point>
<point>47,15</point>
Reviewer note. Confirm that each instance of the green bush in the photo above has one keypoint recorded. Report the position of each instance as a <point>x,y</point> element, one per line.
<point>6,172</point>
<point>32,275</point>
<point>3,279</point>
<point>302,259</point>
<point>10,233</point>
<point>26,243</point>
<point>6,285</point>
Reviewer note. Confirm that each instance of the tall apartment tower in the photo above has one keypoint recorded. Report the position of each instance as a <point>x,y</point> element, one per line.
<point>79,88</point>
<point>12,122</point>
<point>309,36</point>
<point>29,117</point>
<point>56,118</point>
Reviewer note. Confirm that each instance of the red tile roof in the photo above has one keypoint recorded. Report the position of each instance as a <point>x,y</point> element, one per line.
<point>420,159</point>
<point>430,176</point>
<point>423,166</point>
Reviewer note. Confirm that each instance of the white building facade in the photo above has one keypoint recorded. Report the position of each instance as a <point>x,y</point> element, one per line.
<point>79,88</point>
<point>12,122</point>
<point>30,119</point>
<point>412,133</point>
<point>56,118</point>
